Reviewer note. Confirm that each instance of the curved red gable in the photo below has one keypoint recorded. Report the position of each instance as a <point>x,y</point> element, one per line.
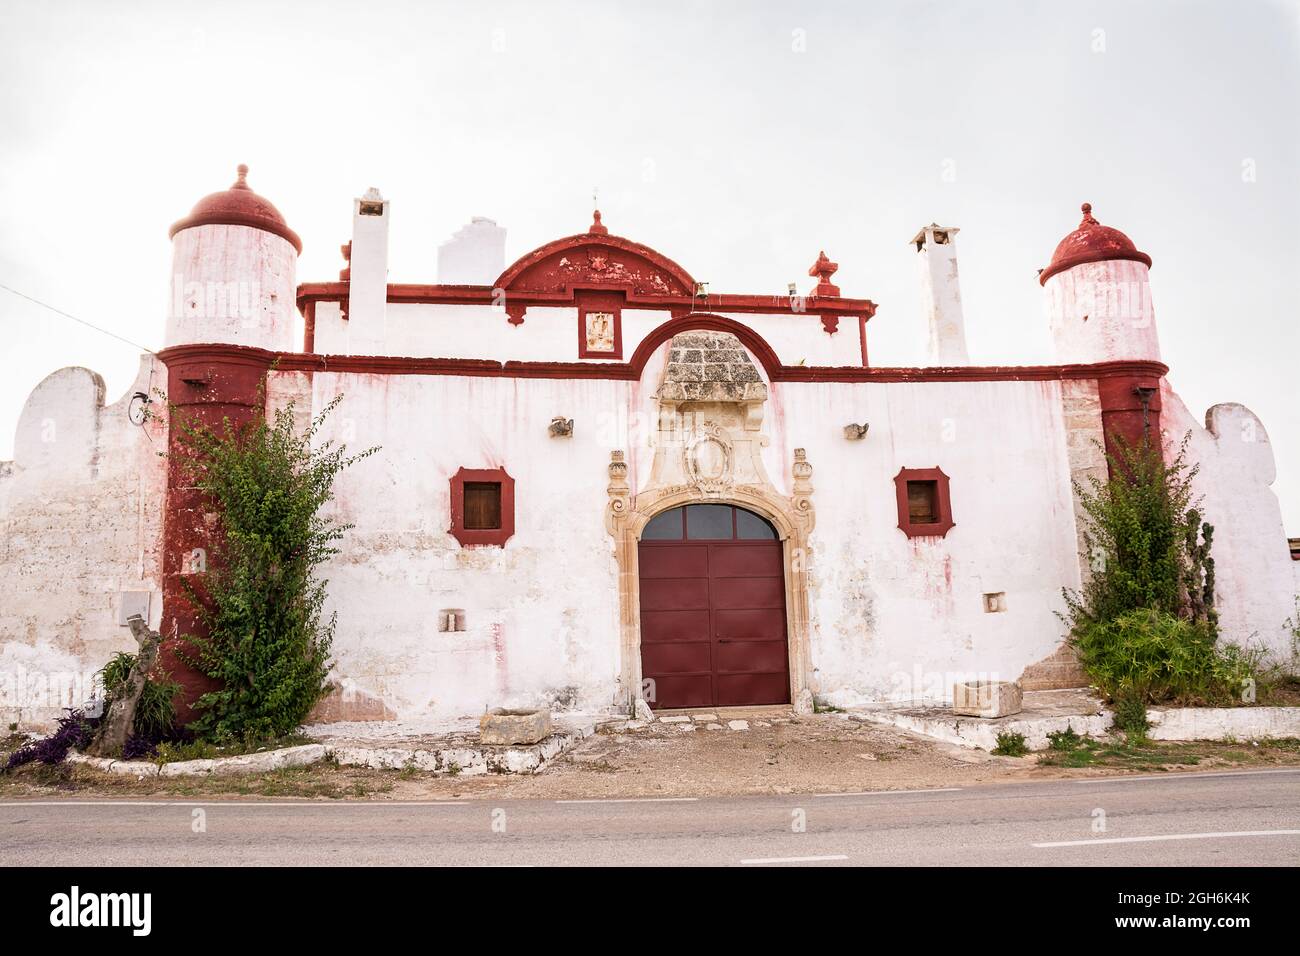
<point>595,258</point>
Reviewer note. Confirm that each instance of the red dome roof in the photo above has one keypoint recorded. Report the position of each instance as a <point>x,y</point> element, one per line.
<point>238,206</point>
<point>1091,242</point>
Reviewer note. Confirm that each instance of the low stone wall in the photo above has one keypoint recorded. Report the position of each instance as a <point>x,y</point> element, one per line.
<point>1167,723</point>
<point>457,758</point>
<point>979,733</point>
<point>242,764</point>
<point>1223,723</point>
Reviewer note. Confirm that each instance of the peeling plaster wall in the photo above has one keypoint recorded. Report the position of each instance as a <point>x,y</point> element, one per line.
<point>80,523</point>
<point>902,618</point>
<point>892,617</point>
<point>541,613</point>
<point>1256,582</point>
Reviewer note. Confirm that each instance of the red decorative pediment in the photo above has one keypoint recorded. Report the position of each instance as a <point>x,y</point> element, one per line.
<point>594,259</point>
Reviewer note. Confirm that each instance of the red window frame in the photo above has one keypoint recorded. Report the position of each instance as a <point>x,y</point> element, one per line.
<point>488,537</point>
<point>611,302</point>
<point>943,502</point>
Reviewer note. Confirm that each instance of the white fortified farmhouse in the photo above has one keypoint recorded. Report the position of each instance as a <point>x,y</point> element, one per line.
<point>600,481</point>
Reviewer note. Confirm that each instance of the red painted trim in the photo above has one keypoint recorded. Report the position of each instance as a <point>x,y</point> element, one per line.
<point>474,538</point>
<point>309,327</point>
<point>209,384</point>
<point>522,299</point>
<point>1122,412</point>
<point>756,344</point>
<point>611,302</point>
<point>631,370</point>
<point>1100,255</point>
<point>936,529</point>
<point>253,221</point>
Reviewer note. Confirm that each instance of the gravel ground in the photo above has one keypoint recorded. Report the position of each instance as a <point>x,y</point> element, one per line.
<point>777,754</point>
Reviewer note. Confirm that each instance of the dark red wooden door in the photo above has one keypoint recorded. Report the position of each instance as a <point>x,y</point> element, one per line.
<point>713,609</point>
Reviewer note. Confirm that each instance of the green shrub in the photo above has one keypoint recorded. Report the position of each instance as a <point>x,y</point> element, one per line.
<point>1011,745</point>
<point>155,711</point>
<point>1131,716</point>
<point>267,645</point>
<point>1154,656</point>
<point>1145,540</point>
<point>1065,739</point>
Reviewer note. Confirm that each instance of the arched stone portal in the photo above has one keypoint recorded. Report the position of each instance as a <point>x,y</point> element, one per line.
<point>708,449</point>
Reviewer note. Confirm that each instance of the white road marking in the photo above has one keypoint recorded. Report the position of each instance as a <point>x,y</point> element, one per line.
<point>235,804</point>
<point>636,800</point>
<point>792,859</point>
<point>886,793</point>
<point>1176,775</point>
<point>1228,834</point>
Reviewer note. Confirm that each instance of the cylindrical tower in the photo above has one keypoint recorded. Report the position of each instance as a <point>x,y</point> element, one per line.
<point>1098,297</point>
<point>234,272</point>
<point>231,311</point>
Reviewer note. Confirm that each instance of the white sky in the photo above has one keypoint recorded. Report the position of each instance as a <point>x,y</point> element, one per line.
<point>711,139</point>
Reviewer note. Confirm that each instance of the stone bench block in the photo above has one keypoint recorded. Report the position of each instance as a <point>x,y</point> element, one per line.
<point>986,698</point>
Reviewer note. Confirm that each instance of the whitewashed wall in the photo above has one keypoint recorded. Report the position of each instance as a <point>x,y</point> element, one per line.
<point>551,334</point>
<point>541,613</point>
<point>900,618</point>
<point>80,525</point>
<point>1256,582</point>
<point>892,617</point>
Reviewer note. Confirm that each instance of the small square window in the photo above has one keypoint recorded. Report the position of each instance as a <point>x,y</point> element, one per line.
<point>923,502</point>
<point>482,505</point>
<point>995,602</point>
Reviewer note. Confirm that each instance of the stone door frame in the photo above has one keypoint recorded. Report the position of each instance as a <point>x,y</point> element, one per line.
<point>626,516</point>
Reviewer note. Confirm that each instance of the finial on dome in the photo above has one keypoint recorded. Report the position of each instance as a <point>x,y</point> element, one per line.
<point>1087,213</point>
<point>242,181</point>
<point>597,228</point>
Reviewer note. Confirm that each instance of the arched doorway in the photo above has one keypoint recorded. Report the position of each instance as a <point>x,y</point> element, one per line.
<point>712,608</point>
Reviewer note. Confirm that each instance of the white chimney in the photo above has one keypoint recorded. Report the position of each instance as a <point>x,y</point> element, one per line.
<point>368,291</point>
<point>941,294</point>
<point>475,255</point>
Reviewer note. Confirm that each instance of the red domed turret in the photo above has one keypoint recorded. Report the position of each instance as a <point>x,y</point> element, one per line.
<point>238,206</point>
<point>1092,242</point>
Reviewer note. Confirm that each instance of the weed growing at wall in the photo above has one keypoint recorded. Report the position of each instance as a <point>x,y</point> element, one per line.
<point>155,711</point>
<point>267,644</point>
<point>1010,744</point>
<point>1145,540</point>
<point>1155,656</point>
<point>1144,623</point>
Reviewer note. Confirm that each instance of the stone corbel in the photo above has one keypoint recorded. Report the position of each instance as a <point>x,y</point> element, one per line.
<point>619,491</point>
<point>801,500</point>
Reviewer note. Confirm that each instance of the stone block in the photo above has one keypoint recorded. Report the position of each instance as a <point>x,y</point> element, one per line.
<point>501,726</point>
<point>986,698</point>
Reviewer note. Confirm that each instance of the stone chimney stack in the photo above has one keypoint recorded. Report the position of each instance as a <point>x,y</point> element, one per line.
<point>368,287</point>
<point>941,294</point>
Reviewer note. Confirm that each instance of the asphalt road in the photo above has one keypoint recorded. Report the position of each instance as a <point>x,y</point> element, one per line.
<point>1238,819</point>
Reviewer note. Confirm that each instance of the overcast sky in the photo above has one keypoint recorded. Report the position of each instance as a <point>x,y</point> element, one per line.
<point>736,138</point>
